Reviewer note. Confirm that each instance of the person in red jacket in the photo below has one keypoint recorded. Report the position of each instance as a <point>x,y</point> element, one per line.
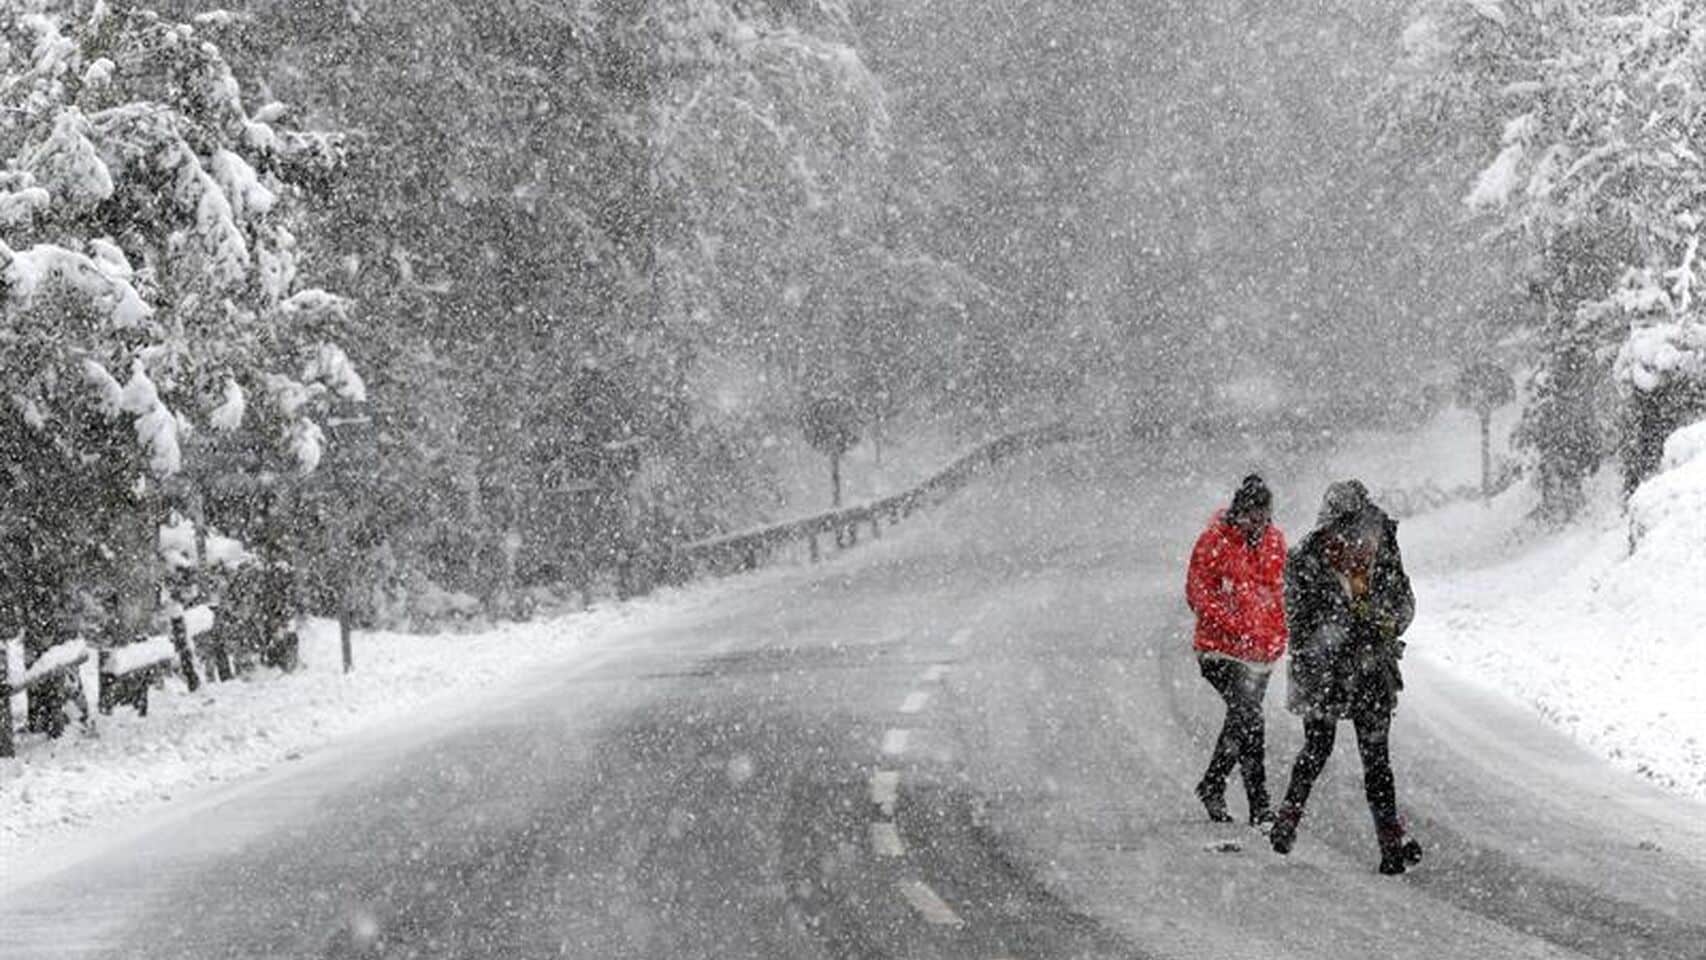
<point>1236,587</point>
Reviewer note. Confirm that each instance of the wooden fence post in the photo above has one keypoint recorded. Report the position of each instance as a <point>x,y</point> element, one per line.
<point>344,638</point>
<point>6,747</point>
<point>186,655</point>
<point>624,576</point>
<point>104,676</point>
<point>219,650</point>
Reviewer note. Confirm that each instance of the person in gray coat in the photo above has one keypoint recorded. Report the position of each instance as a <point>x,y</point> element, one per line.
<point>1348,602</point>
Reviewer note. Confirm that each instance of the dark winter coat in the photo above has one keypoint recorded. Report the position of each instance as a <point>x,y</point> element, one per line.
<point>1344,656</point>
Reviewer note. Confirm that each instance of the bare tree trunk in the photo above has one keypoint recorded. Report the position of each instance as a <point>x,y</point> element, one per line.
<point>835,480</point>
<point>6,747</point>
<point>1486,455</point>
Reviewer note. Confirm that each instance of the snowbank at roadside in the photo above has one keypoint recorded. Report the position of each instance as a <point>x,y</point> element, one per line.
<point>1598,627</point>
<point>229,730</point>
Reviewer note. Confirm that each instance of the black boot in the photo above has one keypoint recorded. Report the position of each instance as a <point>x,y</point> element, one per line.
<point>1214,801</point>
<point>1262,818</point>
<point>1284,833</point>
<point>1397,852</point>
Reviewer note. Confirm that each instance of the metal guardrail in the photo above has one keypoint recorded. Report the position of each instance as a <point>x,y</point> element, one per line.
<point>748,549</point>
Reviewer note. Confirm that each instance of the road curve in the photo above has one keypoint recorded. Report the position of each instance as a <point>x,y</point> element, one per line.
<point>975,739</point>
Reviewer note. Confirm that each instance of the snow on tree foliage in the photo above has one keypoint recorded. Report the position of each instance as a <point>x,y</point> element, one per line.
<point>1663,353</point>
<point>332,367</point>
<point>228,416</point>
<point>47,268</point>
<point>156,426</point>
<point>147,220</point>
<point>66,164</point>
<point>1587,119</point>
<point>125,119</point>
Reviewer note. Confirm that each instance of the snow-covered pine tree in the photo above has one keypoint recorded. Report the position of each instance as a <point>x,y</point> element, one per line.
<point>148,294</point>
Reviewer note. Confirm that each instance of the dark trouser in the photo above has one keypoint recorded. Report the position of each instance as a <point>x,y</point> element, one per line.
<point>1372,731</point>
<point>1243,736</point>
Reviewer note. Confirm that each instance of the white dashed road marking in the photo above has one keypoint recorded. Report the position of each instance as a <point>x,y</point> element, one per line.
<point>925,901</point>
<point>894,742</point>
<point>884,785</point>
<point>885,840</point>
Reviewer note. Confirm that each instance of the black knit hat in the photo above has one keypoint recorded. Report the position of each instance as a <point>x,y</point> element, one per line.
<point>1344,501</point>
<point>1252,495</point>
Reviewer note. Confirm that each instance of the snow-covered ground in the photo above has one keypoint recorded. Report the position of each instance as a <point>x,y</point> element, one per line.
<point>1606,643</point>
<point>82,784</point>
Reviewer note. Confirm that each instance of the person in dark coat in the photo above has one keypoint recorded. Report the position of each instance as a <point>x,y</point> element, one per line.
<point>1235,586</point>
<point>1348,602</point>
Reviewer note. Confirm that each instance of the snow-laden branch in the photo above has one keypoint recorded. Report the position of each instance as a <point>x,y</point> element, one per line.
<point>29,273</point>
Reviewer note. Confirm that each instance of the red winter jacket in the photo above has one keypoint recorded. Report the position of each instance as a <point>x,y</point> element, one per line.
<point>1238,592</point>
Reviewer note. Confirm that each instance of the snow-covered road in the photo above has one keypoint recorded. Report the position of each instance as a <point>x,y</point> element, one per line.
<point>975,739</point>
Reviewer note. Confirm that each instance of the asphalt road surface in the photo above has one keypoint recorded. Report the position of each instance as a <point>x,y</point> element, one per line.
<point>975,739</point>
